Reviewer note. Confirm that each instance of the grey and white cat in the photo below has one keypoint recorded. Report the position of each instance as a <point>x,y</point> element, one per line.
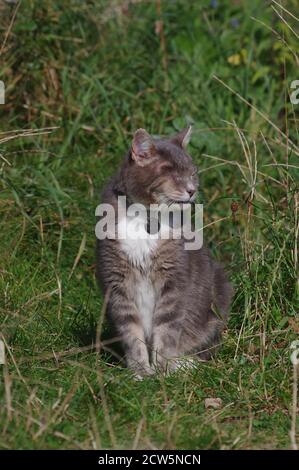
<point>166,303</point>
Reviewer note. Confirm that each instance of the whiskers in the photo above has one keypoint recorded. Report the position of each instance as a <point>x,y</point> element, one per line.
<point>172,200</point>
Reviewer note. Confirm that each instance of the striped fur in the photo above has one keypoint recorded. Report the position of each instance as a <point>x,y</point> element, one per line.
<point>165,302</point>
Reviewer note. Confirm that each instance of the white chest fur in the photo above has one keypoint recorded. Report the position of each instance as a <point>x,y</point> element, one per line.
<point>139,245</point>
<point>135,241</point>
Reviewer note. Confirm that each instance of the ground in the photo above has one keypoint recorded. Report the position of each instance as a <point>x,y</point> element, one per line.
<point>79,78</point>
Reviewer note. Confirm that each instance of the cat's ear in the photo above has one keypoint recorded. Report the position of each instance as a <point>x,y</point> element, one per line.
<point>183,138</point>
<point>143,147</point>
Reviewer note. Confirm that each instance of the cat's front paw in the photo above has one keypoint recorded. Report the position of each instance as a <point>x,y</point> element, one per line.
<point>138,377</point>
<point>171,365</point>
<point>141,373</point>
<point>182,364</point>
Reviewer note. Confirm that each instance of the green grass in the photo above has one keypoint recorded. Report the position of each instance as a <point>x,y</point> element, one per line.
<point>97,72</point>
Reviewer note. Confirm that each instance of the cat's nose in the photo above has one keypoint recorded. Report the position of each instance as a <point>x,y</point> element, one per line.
<point>191,192</point>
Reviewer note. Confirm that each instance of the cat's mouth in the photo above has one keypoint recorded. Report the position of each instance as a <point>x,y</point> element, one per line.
<point>179,205</point>
<point>181,202</point>
<point>173,201</point>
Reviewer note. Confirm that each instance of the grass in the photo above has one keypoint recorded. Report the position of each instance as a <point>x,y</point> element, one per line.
<point>89,74</point>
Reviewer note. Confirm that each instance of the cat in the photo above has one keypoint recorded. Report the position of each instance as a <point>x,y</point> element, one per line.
<point>165,302</point>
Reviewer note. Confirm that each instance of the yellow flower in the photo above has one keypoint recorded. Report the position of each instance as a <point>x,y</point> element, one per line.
<point>238,59</point>
<point>234,59</point>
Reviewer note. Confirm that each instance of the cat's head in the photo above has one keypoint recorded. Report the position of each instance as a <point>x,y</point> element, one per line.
<point>160,170</point>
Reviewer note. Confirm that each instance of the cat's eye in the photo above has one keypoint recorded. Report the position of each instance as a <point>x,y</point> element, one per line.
<point>165,166</point>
